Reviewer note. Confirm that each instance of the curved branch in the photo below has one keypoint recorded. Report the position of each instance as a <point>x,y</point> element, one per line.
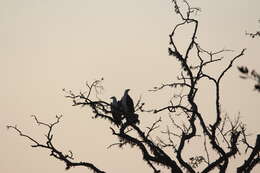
<point>66,158</point>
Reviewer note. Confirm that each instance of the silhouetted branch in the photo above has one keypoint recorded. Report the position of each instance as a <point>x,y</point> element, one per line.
<point>100,108</point>
<point>66,158</point>
<point>253,35</point>
<point>190,78</point>
<point>253,75</point>
<point>206,150</point>
<point>153,127</point>
<point>253,159</point>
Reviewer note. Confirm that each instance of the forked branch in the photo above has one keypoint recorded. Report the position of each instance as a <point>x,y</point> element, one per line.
<point>54,151</point>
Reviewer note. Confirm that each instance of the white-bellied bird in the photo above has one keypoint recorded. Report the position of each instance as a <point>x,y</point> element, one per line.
<point>127,103</point>
<point>116,111</point>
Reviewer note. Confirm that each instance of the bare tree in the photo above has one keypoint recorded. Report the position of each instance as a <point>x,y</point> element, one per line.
<point>220,139</point>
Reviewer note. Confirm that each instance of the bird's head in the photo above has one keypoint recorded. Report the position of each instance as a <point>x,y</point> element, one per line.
<point>114,101</point>
<point>127,90</point>
<point>113,98</point>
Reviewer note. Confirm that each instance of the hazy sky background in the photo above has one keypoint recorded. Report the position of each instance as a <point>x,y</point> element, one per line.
<point>48,45</point>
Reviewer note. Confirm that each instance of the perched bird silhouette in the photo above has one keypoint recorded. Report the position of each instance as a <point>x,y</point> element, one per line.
<point>116,110</point>
<point>128,108</point>
<point>127,103</point>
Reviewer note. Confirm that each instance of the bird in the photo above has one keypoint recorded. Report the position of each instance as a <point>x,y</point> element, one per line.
<point>116,111</point>
<point>127,103</point>
<point>128,108</point>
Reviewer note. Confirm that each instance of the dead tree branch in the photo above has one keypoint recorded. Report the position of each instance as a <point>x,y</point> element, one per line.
<point>56,153</point>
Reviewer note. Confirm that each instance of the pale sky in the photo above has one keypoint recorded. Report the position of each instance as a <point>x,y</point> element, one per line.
<point>48,45</point>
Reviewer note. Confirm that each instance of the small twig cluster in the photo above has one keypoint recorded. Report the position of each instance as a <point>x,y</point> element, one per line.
<point>253,75</point>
